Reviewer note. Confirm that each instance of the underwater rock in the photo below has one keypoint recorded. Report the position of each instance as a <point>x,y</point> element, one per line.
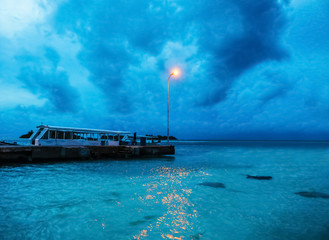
<point>150,217</point>
<point>142,221</point>
<point>196,236</point>
<point>115,194</point>
<point>313,194</point>
<point>260,177</point>
<point>138,222</point>
<point>212,184</point>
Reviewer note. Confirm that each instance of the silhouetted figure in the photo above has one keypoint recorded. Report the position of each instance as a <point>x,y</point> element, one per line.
<point>27,135</point>
<point>135,138</point>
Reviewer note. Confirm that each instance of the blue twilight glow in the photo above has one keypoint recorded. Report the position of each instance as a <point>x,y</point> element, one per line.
<point>250,69</point>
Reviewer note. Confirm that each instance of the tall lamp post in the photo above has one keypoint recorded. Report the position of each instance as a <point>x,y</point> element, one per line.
<point>174,73</point>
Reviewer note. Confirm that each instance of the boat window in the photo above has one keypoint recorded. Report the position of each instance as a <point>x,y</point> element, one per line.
<point>91,136</point>
<point>75,135</point>
<point>68,135</point>
<point>60,135</point>
<point>52,134</point>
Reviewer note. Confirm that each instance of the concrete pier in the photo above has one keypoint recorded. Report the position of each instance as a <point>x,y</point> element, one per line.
<point>25,154</point>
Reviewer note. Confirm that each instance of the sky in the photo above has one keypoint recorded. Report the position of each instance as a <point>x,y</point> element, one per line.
<point>250,69</point>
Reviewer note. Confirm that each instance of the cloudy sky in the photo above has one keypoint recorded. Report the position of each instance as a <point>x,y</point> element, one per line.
<point>251,69</point>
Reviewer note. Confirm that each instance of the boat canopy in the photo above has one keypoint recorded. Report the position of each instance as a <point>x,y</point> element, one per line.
<point>81,130</point>
<point>54,135</point>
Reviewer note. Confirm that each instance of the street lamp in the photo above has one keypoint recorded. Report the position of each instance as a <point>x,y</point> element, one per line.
<point>175,72</point>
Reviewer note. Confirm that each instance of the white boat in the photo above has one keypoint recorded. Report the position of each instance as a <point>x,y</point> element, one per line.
<point>68,136</point>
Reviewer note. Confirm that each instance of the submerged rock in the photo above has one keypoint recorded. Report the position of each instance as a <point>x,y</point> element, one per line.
<point>138,222</point>
<point>115,194</point>
<point>142,221</point>
<point>260,177</point>
<point>150,217</point>
<point>196,236</point>
<point>212,184</point>
<point>313,194</point>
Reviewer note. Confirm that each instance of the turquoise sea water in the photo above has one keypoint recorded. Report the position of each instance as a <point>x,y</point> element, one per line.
<point>159,198</point>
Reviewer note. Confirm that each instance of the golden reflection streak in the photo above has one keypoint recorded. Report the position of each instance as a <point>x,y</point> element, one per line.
<point>178,216</point>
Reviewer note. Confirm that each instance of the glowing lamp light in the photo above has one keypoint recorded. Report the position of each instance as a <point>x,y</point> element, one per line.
<point>175,72</point>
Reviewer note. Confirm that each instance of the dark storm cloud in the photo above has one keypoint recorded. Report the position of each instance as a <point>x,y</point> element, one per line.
<point>114,34</point>
<point>42,77</point>
<point>259,41</point>
<point>107,62</point>
<point>103,51</point>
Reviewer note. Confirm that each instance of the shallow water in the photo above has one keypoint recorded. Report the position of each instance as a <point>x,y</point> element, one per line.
<point>161,198</point>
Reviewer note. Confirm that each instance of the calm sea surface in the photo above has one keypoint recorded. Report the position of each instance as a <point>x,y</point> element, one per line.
<point>160,198</point>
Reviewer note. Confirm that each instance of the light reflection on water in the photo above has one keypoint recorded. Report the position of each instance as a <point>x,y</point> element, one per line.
<point>179,216</point>
<point>161,199</point>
